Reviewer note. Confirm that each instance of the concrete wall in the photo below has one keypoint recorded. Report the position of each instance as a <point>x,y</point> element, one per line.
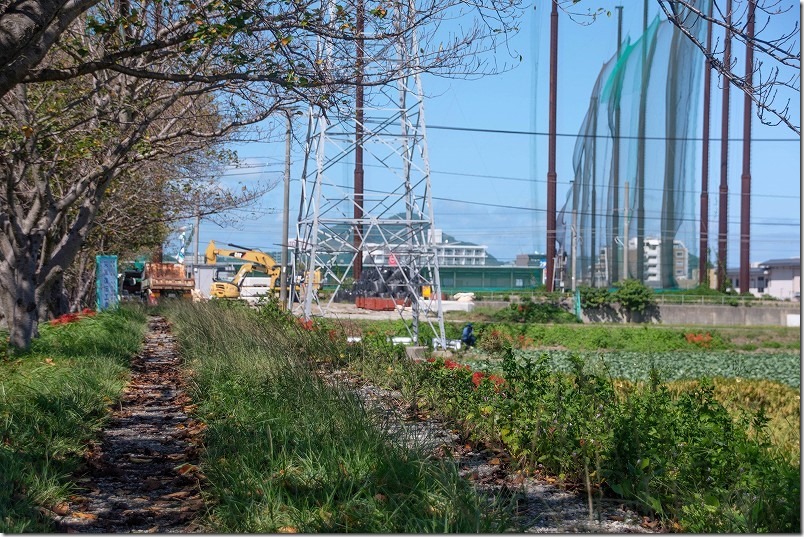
<point>783,314</point>
<point>730,315</point>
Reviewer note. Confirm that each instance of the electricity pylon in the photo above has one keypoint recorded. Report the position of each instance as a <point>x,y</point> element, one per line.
<point>385,231</point>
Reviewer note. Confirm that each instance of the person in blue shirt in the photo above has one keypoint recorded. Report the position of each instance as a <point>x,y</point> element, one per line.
<point>468,337</point>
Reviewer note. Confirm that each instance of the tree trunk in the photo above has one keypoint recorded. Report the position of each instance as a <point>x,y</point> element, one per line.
<point>84,285</point>
<point>56,302</point>
<point>21,312</point>
<point>20,290</point>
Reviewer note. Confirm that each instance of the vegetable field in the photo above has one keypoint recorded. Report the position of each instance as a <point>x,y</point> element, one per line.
<point>681,365</point>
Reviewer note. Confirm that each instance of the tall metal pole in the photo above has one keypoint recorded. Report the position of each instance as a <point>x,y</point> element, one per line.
<point>283,282</point>
<point>574,247</point>
<point>357,268</point>
<point>641,129</point>
<point>615,165</point>
<point>745,198</point>
<point>723,210</point>
<point>703,245</point>
<point>625,233</point>
<point>551,150</point>
<point>196,234</point>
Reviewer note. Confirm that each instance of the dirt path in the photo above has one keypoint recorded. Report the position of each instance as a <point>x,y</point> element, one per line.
<point>142,476</point>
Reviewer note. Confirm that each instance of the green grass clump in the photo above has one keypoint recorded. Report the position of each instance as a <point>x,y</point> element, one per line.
<point>285,451</point>
<point>53,399</point>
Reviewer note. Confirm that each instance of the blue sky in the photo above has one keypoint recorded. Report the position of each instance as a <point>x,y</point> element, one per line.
<point>501,177</point>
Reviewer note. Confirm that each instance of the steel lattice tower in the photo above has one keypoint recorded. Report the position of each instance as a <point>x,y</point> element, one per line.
<point>394,234</point>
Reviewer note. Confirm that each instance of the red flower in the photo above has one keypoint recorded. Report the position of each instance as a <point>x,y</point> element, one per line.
<point>477,376</point>
<point>498,381</point>
<point>306,325</point>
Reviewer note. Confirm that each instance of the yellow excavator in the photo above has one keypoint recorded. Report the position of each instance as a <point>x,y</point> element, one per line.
<point>256,261</point>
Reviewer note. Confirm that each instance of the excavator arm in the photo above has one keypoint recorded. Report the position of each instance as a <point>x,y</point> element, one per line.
<point>256,261</point>
<point>265,261</point>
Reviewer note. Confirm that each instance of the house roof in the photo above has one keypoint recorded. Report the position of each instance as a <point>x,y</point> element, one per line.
<point>789,262</point>
<point>752,271</point>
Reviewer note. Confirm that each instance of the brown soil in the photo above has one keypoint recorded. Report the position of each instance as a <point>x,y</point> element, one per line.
<point>143,476</point>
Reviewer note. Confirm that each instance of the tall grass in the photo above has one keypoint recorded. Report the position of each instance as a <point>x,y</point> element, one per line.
<point>287,452</point>
<point>53,399</point>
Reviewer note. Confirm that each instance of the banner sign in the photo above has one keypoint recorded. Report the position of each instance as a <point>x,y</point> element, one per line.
<point>106,295</point>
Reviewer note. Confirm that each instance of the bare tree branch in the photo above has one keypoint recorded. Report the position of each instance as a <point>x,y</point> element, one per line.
<point>777,57</point>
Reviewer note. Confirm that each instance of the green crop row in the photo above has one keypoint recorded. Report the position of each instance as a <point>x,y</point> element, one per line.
<point>637,366</point>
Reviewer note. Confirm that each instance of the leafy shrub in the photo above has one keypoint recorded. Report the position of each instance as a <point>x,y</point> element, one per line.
<point>527,311</point>
<point>633,295</point>
<point>676,453</point>
<point>493,341</point>
<point>594,297</point>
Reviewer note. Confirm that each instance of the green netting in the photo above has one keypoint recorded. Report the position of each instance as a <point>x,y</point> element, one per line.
<point>637,138</point>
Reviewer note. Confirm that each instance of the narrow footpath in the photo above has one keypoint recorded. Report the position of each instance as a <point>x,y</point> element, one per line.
<point>142,477</point>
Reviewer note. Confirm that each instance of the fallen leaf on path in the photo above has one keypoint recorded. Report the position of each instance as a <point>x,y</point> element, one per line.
<point>177,495</point>
<point>87,516</point>
<point>186,467</point>
<point>61,509</point>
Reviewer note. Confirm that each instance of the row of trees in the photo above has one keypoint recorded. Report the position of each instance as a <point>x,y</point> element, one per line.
<point>113,112</point>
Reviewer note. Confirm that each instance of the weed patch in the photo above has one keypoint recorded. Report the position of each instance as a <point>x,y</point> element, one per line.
<point>678,453</point>
<point>286,452</point>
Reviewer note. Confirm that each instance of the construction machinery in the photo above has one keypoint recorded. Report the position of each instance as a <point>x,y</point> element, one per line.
<point>166,280</point>
<point>255,260</point>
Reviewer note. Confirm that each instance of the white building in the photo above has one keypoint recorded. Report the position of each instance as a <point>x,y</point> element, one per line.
<point>653,256</point>
<point>450,252</point>
<point>783,278</point>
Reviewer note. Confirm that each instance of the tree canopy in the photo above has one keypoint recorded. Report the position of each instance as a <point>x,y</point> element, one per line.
<point>102,100</point>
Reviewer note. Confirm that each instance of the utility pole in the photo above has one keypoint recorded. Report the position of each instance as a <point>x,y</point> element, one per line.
<point>723,229</point>
<point>745,198</point>
<point>641,129</point>
<point>283,281</point>
<point>574,246</point>
<point>357,267</point>
<point>551,151</point>
<point>196,234</point>
<point>625,234</point>
<point>615,165</point>
<point>703,245</point>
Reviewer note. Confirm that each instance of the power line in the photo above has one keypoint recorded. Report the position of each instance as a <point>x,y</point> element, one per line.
<point>565,135</point>
<point>533,209</point>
